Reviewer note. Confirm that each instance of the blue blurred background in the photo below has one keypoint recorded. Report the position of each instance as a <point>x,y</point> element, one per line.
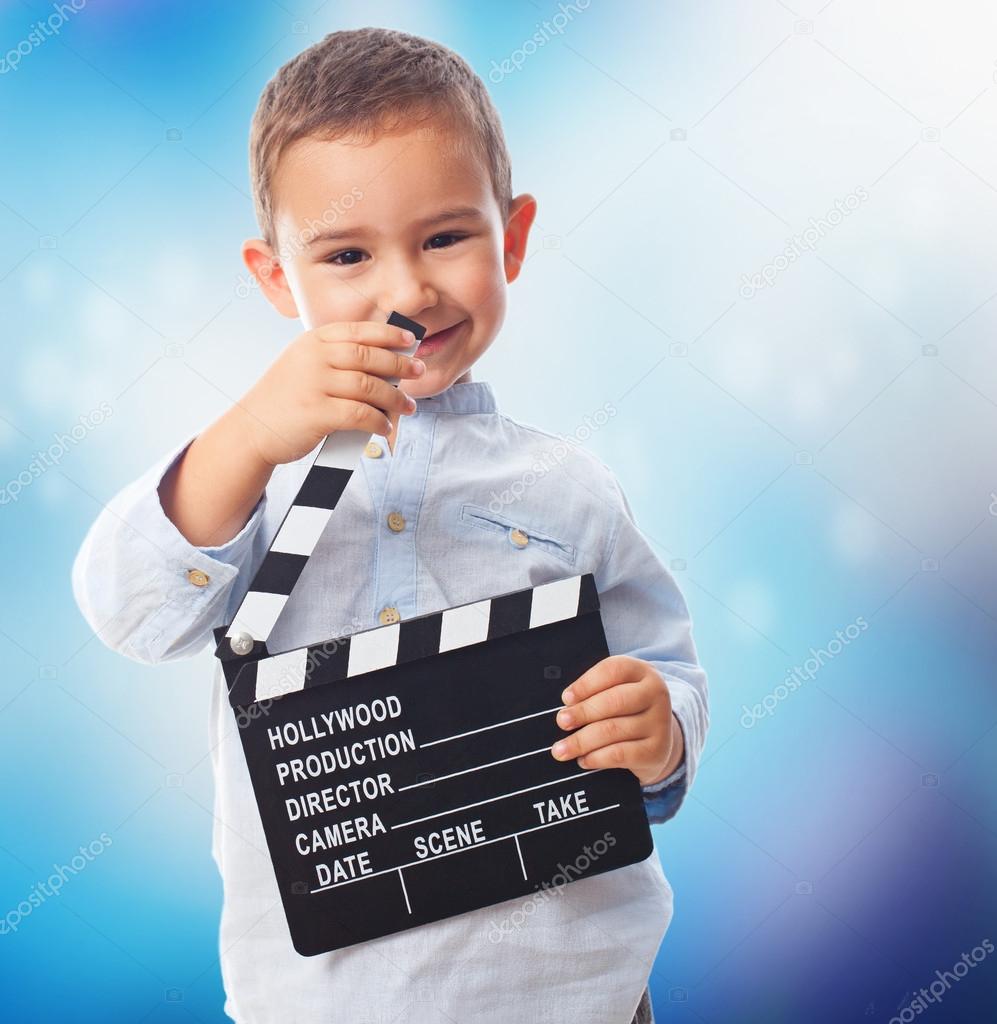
<point>809,442</point>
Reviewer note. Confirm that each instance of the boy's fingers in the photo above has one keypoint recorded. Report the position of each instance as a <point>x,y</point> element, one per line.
<point>368,332</point>
<point>616,755</point>
<point>369,359</point>
<point>366,388</point>
<point>617,668</point>
<point>608,732</point>
<point>621,699</point>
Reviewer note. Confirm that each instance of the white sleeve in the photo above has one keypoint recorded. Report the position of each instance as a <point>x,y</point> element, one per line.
<point>130,575</point>
<point>645,615</point>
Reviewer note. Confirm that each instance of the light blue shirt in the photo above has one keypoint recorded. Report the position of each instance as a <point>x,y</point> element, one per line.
<point>469,483</point>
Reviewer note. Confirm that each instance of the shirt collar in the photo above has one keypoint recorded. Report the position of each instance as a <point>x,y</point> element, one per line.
<point>469,397</point>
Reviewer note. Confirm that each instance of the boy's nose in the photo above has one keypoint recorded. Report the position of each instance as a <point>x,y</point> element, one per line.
<point>410,291</point>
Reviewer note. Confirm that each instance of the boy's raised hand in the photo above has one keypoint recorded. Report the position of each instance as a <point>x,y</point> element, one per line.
<point>330,378</point>
<point>622,713</point>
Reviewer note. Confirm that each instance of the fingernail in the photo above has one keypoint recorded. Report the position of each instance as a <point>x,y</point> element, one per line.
<point>409,337</point>
<point>559,748</point>
<point>565,719</point>
<point>418,365</point>
<point>567,697</point>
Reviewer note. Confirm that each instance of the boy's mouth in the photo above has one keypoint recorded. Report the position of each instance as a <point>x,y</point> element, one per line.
<point>433,342</point>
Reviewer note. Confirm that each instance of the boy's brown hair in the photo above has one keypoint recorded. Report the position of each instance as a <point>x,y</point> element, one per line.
<point>359,82</point>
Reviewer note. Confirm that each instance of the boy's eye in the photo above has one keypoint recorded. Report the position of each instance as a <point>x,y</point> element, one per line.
<point>351,257</point>
<point>335,257</point>
<point>447,235</point>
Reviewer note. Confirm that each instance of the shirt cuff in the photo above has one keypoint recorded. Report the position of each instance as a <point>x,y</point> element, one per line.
<point>195,580</point>
<point>657,787</point>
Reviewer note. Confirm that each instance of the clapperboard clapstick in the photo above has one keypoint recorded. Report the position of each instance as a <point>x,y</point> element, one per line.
<point>403,773</point>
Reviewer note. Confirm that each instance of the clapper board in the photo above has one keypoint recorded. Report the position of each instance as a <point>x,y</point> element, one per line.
<point>403,773</point>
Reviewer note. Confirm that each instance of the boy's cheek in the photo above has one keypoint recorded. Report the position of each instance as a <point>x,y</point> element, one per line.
<point>479,282</point>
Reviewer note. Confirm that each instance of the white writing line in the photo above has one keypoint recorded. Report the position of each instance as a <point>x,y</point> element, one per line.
<point>519,850</point>
<point>475,846</point>
<point>401,878</point>
<point>502,796</point>
<point>447,739</point>
<point>477,768</point>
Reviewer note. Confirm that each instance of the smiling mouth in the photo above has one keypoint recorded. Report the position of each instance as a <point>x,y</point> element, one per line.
<point>432,342</point>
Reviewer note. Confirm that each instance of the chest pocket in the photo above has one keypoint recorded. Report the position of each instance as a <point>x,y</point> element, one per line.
<point>516,533</point>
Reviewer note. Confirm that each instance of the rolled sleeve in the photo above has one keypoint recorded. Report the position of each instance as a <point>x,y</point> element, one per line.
<point>645,616</point>
<point>142,587</point>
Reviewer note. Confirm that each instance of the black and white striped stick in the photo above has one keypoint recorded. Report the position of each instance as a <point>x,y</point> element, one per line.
<point>245,639</point>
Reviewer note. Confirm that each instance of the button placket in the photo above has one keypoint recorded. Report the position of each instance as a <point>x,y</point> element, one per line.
<point>397,511</point>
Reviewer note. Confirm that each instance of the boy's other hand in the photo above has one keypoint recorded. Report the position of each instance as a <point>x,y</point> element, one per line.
<point>330,378</point>
<point>622,713</point>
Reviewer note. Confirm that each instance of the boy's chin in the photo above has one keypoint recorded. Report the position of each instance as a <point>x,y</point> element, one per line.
<point>433,382</point>
<point>429,392</point>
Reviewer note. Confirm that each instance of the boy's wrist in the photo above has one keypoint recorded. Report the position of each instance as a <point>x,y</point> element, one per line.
<point>676,755</point>
<point>211,492</point>
<point>238,426</point>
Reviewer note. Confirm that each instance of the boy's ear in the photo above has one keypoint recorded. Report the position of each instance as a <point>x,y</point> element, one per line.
<point>264,265</point>
<point>522,210</point>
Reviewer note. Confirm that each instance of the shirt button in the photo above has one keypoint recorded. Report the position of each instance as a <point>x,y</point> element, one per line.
<point>396,522</point>
<point>373,450</point>
<point>388,615</point>
<point>519,538</point>
<point>198,578</point>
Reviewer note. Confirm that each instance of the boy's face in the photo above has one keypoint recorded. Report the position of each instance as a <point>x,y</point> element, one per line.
<point>404,224</point>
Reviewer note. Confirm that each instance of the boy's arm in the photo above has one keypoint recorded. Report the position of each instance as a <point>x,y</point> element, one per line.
<point>140,579</point>
<point>210,492</point>
<point>144,589</point>
<point>645,616</point>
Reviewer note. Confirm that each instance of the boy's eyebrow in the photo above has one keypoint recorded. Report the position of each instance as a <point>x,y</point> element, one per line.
<point>453,213</point>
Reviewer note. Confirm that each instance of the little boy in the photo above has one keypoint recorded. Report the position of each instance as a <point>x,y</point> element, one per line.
<point>382,182</point>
